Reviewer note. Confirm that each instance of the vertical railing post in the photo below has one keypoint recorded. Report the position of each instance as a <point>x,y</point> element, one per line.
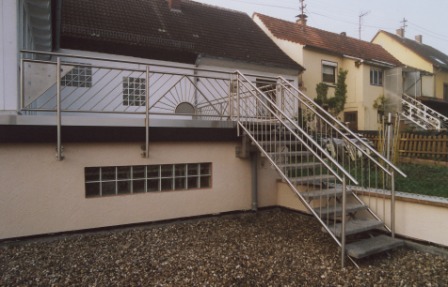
<point>59,147</point>
<point>344,207</point>
<point>392,204</point>
<point>238,102</point>
<point>22,77</point>
<point>146,153</point>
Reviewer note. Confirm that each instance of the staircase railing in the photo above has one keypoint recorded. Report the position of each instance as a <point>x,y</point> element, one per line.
<point>271,130</point>
<point>313,152</point>
<point>422,115</point>
<point>371,169</point>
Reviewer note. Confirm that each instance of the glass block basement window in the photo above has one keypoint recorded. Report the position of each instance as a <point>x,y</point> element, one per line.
<point>117,180</point>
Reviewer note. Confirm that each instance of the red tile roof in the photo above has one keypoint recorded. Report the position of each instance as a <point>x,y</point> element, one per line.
<point>149,29</point>
<point>327,41</point>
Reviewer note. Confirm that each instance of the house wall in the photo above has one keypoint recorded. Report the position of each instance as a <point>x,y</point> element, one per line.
<point>293,50</point>
<point>360,94</point>
<point>403,54</point>
<point>8,57</point>
<point>441,79</point>
<point>416,219</point>
<point>312,61</point>
<point>432,86</point>
<point>41,195</point>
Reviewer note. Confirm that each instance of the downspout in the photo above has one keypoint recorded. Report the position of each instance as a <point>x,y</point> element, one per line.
<point>57,33</point>
<point>254,169</point>
<point>437,71</point>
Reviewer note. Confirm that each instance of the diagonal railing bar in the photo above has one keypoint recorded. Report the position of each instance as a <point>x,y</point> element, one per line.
<point>167,92</point>
<point>292,123</point>
<point>319,111</point>
<point>422,115</point>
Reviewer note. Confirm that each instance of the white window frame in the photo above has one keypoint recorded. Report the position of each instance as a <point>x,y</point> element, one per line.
<point>376,76</point>
<point>327,65</point>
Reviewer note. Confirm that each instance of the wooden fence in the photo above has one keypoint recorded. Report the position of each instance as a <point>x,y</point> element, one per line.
<point>411,146</point>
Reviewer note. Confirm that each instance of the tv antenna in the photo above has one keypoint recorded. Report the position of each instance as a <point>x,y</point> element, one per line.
<point>361,15</point>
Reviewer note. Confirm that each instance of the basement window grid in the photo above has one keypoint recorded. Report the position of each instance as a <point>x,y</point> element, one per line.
<point>79,76</point>
<point>134,91</point>
<point>121,180</point>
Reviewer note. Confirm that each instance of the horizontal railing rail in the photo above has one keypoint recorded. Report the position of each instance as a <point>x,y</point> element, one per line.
<point>105,86</point>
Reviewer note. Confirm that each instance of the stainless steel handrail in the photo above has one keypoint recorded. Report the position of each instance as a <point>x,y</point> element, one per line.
<point>347,130</point>
<point>316,145</point>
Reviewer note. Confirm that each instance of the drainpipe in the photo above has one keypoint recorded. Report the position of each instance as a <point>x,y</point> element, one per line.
<point>254,168</point>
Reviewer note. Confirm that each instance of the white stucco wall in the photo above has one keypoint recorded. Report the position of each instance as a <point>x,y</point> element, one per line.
<point>416,219</point>
<point>8,57</point>
<point>41,195</point>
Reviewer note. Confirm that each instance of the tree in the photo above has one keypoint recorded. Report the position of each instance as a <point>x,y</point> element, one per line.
<point>322,91</point>
<point>335,104</point>
<point>340,94</point>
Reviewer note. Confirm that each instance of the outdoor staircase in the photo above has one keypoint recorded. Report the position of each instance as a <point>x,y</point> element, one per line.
<point>326,185</point>
<point>421,115</point>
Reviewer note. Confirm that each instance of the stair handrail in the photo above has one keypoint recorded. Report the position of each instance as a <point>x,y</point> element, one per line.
<point>345,129</point>
<point>440,118</point>
<point>316,145</point>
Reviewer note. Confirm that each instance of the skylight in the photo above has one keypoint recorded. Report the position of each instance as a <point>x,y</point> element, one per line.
<point>439,61</point>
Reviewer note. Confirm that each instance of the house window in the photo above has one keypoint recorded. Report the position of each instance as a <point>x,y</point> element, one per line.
<point>78,76</point>
<point>118,180</point>
<point>376,77</point>
<point>445,92</point>
<point>329,72</point>
<point>351,119</point>
<point>134,91</point>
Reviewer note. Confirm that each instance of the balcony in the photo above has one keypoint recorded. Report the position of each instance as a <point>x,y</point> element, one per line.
<point>80,90</point>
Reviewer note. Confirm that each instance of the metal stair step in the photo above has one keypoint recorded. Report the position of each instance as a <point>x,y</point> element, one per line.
<point>337,191</point>
<point>289,153</point>
<point>300,165</point>
<point>315,179</point>
<point>337,209</point>
<point>356,226</point>
<point>279,142</point>
<point>374,245</point>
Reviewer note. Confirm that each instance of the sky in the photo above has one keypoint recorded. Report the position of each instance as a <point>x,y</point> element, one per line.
<point>428,18</point>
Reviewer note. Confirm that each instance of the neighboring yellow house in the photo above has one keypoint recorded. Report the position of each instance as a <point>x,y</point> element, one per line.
<point>426,72</point>
<point>323,53</point>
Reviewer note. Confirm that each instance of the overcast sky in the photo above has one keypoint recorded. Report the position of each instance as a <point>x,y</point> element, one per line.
<point>424,17</point>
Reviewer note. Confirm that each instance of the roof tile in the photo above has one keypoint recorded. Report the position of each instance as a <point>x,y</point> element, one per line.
<point>339,44</point>
<point>148,28</point>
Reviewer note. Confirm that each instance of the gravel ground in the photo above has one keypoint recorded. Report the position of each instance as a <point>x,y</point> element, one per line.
<point>269,248</point>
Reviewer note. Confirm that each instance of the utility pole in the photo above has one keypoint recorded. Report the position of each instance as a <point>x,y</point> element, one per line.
<point>360,22</point>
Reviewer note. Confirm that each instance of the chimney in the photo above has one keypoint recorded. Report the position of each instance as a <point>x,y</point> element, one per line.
<point>301,19</point>
<point>174,5</point>
<point>419,39</point>
<point>344,34</point>
<point>400,32</point>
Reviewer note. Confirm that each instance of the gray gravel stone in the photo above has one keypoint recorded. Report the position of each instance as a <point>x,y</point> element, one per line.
<point>267,248</point>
